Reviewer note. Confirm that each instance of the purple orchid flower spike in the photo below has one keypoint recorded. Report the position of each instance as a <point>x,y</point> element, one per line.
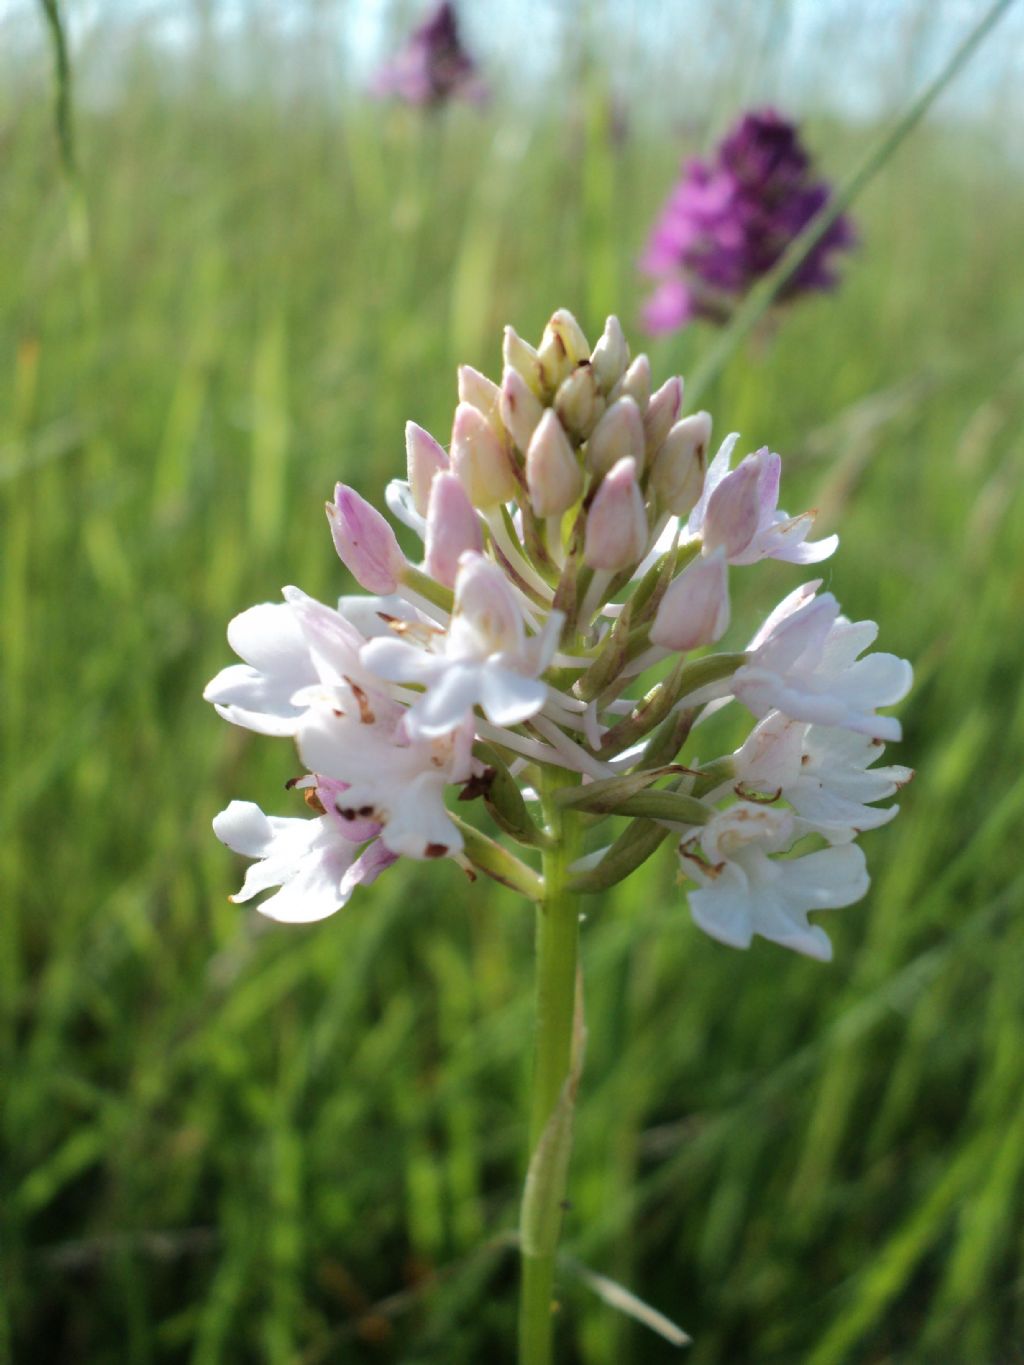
<point>730,218</point>
<point>432,67</point>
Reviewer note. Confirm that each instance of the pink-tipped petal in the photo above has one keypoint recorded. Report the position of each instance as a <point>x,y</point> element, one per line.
<point>424,458</point>
<point>616,534</point>
<point>695,609</point>
<point>453,527</point>
<point>365,542</point>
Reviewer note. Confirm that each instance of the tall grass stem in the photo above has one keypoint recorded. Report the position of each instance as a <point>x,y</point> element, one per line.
<point>764,294</point>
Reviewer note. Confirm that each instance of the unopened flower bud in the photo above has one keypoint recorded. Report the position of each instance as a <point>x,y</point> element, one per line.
<point>611,356</point>
<point>520,356</point>
<point>365,542</point>
<point>636,383</point>
<point>452,528</point>
<point>619,433</point>
<point>695,608</point>
<point>562,347</point>
<point>521,409</point>
<point>579,402</point>
<point>734,509</point>
<point>662,412</point>
<point>677,475</point>
<point>616,536</point>
<point>484,395</point>
<point>424,458</point>
<point>553,473</point>
<point>480,459</point>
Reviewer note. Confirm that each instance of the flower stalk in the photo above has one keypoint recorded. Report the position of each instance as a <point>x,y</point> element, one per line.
<point>555,1073</point>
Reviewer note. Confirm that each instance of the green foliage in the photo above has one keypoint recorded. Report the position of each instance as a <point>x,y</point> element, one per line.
<point>230,1141</point>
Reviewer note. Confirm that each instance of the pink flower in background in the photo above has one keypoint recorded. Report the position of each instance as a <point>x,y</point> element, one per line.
<point>432,66</point>
<point>729,219</point>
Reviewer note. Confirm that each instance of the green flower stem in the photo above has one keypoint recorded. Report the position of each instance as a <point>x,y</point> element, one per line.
<point>554,1075</point>
<point>429,588</point>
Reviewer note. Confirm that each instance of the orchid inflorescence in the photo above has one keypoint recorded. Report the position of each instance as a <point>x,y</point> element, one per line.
<point>433,66</point>
<point>574,572</point>
<point>730,217</point>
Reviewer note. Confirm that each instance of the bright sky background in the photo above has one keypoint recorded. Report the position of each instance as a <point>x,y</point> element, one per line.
<point>853,58</point>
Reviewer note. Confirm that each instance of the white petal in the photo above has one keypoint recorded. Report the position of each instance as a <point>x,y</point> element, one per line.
<point>796,934</point>
<point>834,748</point>
<point>448,699</point>
<point>744,830</point>
<point>790,604</point>
<point>809,552</point>
<point>717,471</point>
<point>722,908</point>
<point>827,880</point>
<point>313,894</point>
<point>846,642</point>
<point>761,691</point>
<point>367,614</point>
<point>878,680</point>
<point>268,637</point>
<point>343,748</point>
<point>398,496</point>
<point>244,828</point>
<point>780,916</point>
<point>284,857</point>
<point>321,742</point>
<point>305,858</point>
<point>399,662</point>
<point>507,697</point>
<point>246,697</point>
<point>786,539</point>
<point>834,814</point>
<point>770,757</point>
<point>333,641</point>
<point>487,619</point>
<point>798,634</point>
<point>539,649</point>
<point>418,824</point>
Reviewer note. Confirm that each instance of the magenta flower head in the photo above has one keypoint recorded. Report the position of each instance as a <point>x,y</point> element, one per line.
<point>433,66</point>
<point>730,218</point>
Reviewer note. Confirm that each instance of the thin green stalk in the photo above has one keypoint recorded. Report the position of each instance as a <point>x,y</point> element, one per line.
<point>763,295</point>
<point>61,87</point>
<point>79,228</point>
<point>554,1076</point>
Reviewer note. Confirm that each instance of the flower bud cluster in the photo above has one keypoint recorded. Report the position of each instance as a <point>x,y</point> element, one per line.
<point>574,537</point>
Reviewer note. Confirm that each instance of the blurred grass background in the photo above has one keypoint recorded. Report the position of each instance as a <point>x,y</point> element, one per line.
<point>231,1141</point>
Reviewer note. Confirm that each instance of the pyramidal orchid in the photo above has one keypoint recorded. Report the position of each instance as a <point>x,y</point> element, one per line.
<point>433,66</point>
<point>728,220</point>
<point>573,539</point>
